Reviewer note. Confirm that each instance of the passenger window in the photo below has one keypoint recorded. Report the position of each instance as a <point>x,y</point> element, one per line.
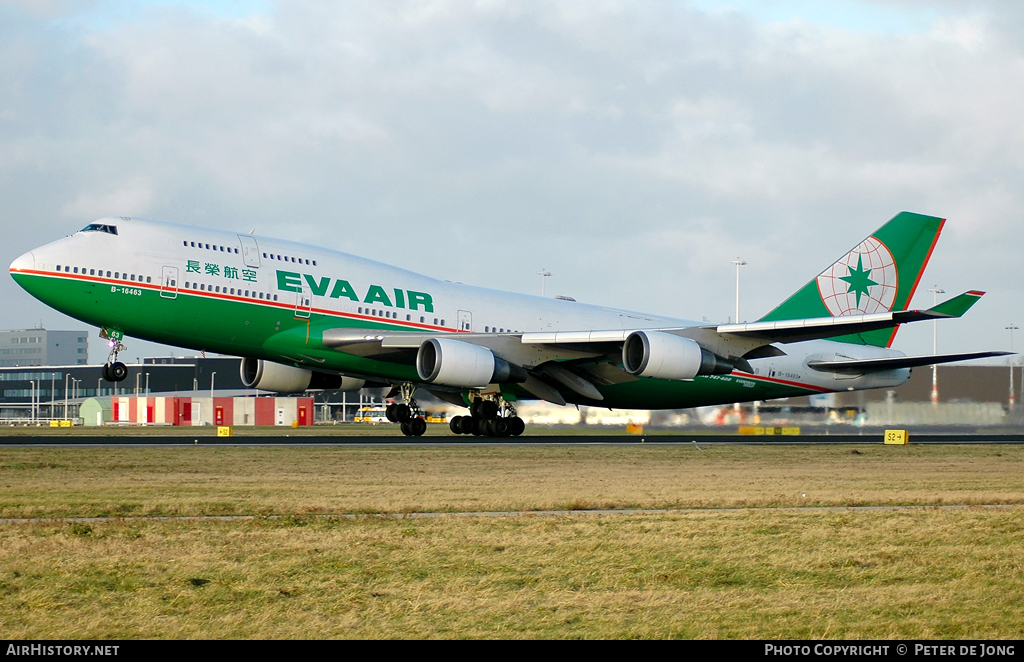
<point>149,279</point>
<point>76,270</point>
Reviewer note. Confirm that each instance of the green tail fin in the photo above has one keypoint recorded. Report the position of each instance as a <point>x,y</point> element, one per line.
<point>879,275</point>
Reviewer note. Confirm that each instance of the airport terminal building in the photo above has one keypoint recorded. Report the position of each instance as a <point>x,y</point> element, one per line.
<point>40,347</point>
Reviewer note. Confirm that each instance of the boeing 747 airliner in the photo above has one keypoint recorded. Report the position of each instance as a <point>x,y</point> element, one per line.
<point>306,317</point>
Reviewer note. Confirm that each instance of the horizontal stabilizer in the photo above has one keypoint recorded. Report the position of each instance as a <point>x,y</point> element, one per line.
<point>797,330</point>
<point>958,305</point>
<point>874,365</point>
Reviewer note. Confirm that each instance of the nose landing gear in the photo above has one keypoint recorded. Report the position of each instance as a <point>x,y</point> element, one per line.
<point>489,418</point>
<point>114,370</point>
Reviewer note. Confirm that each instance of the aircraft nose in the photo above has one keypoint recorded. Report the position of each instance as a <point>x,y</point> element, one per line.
<point>26,262</point>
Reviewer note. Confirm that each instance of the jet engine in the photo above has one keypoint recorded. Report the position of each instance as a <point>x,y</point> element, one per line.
<point>456,363</point>
<point>270,376</point>
<point>666,356</point>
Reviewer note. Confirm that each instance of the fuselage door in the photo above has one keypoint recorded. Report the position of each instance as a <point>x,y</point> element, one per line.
<point>465,320</point>
<point>303,303</point>
<point>169,283</point>
<point>250,250</point>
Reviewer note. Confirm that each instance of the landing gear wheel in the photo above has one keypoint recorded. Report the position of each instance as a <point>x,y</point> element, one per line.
<point>488,410</point>
<point>406,429</point>
<point>389,413</point>
<point>461,425</point>
<point>106,373</point>
<point>499,427</point>
<point>402,412</point>
<point>118,372</point>
<point>417,426</point>
<point>516,426</point>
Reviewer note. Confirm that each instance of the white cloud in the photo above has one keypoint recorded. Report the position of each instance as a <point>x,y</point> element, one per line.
<point>133,198</point>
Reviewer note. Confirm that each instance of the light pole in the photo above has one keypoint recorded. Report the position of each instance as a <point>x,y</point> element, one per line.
<point>32,401</point>
<point>212,375</point>
<point>739,263</point>
<point>1013,327</point>
<point>935,346</point>
<point>53,384</point>
<point>147,383</point>
<point>67,376</point>
<point>543,273</point>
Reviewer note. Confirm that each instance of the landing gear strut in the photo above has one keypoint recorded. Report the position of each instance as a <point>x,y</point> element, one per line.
<point>489,418</point>
<point>114,370</point>
<point>407,413</point>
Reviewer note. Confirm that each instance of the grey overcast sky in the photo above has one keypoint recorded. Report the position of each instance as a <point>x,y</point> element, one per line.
<point>631,148</point>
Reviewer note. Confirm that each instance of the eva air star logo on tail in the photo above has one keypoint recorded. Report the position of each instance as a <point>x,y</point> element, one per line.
<point>863,281</point>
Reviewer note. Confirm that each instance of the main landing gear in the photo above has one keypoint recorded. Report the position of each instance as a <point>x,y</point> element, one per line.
<point>407,413</point>
<point>489,418</point>
<point>114,370</point>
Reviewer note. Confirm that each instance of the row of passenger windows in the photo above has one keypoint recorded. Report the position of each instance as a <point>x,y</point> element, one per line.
<point>237,291</point>
<point>298,260</point>
<point>388,314</point>
<point>99,272</point>
<point>494,329</point>
<point>199,244</point>
<point>229,249</point>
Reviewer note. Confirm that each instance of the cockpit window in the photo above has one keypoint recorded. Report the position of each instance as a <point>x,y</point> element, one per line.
<point>100,227</point>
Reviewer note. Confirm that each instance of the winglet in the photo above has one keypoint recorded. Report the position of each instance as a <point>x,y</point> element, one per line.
<point>958,305</point>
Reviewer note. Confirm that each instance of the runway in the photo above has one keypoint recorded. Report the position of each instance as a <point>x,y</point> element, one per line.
<point>538,440</point>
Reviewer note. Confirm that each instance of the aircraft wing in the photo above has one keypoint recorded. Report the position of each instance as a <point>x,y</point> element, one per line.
<point>860,366</point>
<point>576,360</point>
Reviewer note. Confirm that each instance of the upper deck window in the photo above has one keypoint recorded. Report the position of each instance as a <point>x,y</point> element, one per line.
<point>100,227</point>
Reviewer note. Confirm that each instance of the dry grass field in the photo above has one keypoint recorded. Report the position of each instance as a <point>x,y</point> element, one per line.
<point>754,571</point>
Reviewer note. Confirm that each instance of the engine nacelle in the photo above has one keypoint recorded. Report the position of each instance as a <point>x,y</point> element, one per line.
<point>666,356</point>
<point>456,363</point>
<point>270,376</point>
